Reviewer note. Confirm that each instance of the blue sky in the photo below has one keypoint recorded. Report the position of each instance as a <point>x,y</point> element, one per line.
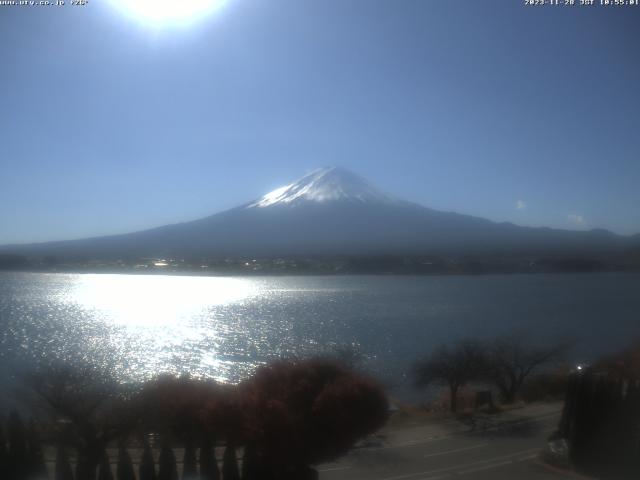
<point>109,124</point>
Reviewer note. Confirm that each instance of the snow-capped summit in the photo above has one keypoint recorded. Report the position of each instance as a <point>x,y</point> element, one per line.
<point>323,185</point>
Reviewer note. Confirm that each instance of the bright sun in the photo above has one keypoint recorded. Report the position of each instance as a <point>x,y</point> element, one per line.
<point>167,11</point>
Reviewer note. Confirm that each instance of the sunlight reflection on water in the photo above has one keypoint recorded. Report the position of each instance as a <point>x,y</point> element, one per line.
<point>223,327</point>
<point>163,323</point>
<point>156,301</point>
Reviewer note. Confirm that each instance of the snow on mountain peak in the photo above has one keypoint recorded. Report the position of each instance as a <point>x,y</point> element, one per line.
<point>323,185</point>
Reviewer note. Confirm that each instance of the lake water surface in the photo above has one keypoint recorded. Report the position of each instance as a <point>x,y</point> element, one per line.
<point>224,326</point>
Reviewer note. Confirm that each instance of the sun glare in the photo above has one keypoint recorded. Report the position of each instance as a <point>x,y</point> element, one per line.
<point>155,300</point>
<point>160,12</point>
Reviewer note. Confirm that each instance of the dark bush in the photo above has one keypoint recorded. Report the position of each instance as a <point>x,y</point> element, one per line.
<point>146,469</point>
<point>18,456</point>
<point>189,461</point>
<point>167,467</point>
<point>230,469</point>
<point>546,386</point>
<point>104,470</point>
<point>175,405</point>
<point>124,469</point>
<point>63,466</point>
<point>37,466</point>
<point>4,455</point>
<point>208,463</point>
<point>600,420</point>
<point>304,413</point>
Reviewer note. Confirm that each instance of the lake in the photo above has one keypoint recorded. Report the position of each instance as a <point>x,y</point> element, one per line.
<point>224,327</point>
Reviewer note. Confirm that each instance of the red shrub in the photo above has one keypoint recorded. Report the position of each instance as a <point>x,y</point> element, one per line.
<point>309,412</point>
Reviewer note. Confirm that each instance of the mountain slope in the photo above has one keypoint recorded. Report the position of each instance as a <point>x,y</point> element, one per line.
<point>332,211</point>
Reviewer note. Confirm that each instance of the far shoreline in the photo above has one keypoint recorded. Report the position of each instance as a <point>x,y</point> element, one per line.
<point>240,273</point>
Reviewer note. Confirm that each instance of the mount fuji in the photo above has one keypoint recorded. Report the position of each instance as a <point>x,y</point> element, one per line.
<point>333,211</point>
<point>330,184</point>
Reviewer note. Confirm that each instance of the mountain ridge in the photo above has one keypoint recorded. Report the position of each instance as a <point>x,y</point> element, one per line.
<point>333,211</point>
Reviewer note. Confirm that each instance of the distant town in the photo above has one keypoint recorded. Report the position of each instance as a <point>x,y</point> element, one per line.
<point>328,265</point>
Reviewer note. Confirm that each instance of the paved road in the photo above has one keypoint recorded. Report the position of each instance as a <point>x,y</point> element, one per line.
<point>505,446</point>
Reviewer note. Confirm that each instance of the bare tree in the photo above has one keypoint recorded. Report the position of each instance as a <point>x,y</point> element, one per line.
<point>453,366</point>
<point>511,360</point>
<point>87,407</point>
